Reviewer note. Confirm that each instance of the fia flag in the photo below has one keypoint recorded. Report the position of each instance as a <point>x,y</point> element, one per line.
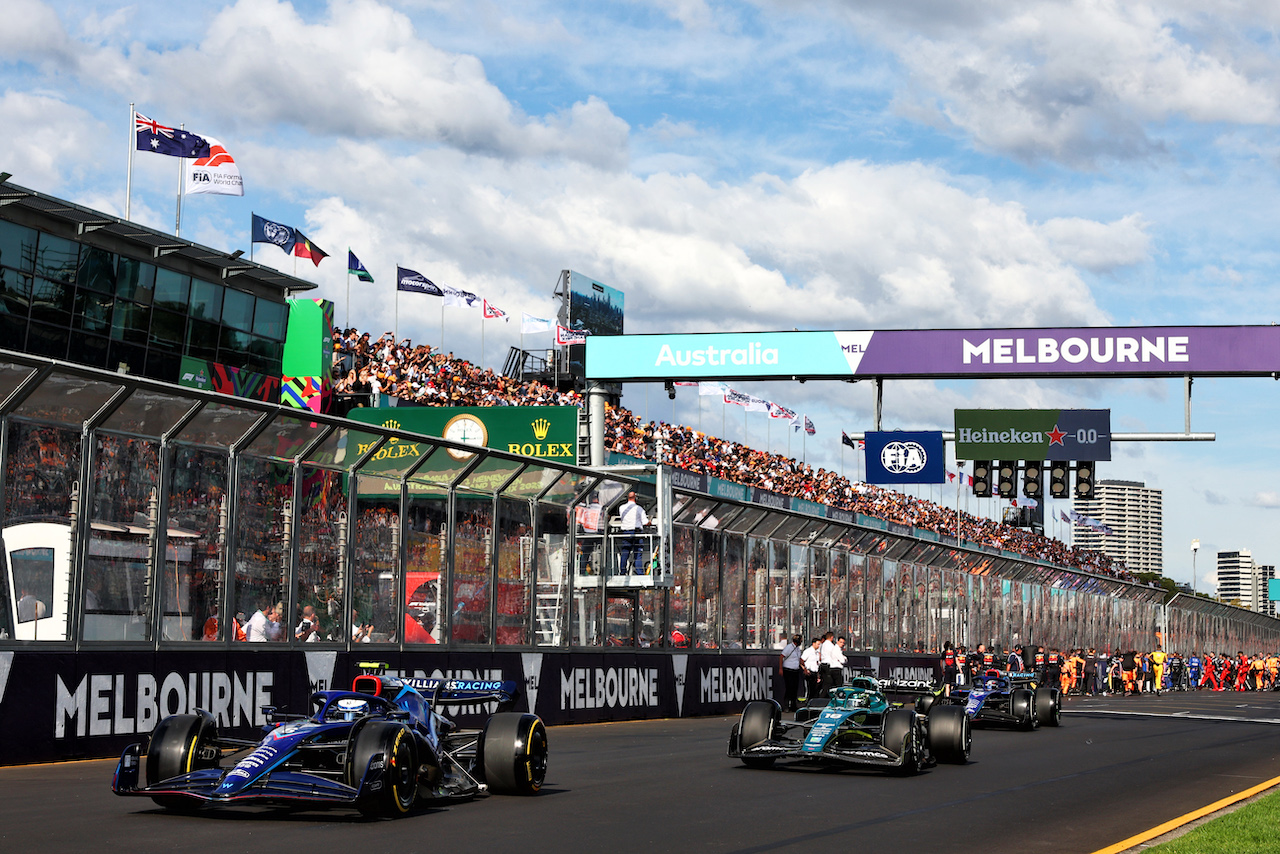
<point>357,269</point>
<point>412,280</point>
<point>900,456</point>
<point>492,312</point>
<point>153,136</point>
<point>529,323</point>
<point>565,335</point>
<point>216,174</point>
<point>266,231</point>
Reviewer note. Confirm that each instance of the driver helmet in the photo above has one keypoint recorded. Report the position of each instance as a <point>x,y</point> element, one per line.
<point>350,708</point>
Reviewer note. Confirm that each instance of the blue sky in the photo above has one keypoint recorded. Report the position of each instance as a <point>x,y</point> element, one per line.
<point>771,164</point>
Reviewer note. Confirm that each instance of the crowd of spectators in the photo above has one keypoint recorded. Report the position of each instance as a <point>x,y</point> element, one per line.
<point>365,369</point>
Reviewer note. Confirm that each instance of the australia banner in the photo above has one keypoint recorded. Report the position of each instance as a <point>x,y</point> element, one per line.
<point>899,456</point>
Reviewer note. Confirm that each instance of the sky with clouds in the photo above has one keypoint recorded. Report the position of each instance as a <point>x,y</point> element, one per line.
<point>737,165</point>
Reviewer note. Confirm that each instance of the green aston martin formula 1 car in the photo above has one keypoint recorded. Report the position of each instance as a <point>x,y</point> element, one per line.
<point>857,727</point>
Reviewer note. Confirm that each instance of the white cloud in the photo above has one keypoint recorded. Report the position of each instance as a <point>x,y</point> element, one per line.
<point>1267,498</point>
<point>43,139</point>
<point>1099,246</point>
<point>1074,81</point>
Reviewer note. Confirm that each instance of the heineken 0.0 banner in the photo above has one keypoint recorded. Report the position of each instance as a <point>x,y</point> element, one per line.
<point>1033,434</point>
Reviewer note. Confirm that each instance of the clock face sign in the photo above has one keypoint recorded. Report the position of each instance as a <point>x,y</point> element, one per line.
<point>467,430</point>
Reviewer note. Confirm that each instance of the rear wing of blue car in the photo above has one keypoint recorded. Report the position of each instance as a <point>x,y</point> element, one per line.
<point>466,692</point>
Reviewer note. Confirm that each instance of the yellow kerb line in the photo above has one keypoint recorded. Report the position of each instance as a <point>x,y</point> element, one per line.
<point>1174,824</point>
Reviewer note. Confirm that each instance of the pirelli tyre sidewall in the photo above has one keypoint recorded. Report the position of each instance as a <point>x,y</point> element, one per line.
<point>175,748</point>
<point>950,734</point>
<point>1049,707</point>
<point>899,735</point>
<point>513,753</point>
<point>398,777</point>
<point>1022,705</point>
<point>758,721</point>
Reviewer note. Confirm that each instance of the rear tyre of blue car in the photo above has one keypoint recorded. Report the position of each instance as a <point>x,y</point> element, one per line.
<point>756,725</point>
<point>513,753</point>
<point>950,737</point>
<point>175,749</point>
<point>399,768</point>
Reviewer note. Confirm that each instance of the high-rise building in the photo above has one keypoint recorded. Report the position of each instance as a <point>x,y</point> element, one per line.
<point>1243,582</point>
<point>1135,514</point>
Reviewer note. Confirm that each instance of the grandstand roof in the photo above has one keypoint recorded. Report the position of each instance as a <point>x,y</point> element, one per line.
<point>28,207</point>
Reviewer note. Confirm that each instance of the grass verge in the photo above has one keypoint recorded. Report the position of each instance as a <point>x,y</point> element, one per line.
<point>1251,829</point>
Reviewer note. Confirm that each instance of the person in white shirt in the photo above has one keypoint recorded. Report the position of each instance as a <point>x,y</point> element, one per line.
<point>308,629</point>
<point>259,624</point>
<point>809,661</point>
<point>789,664</point>
<point>632,521</point>
<point>830,664</point>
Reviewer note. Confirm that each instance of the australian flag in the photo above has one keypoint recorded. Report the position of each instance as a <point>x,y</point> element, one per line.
<point>153,136</point>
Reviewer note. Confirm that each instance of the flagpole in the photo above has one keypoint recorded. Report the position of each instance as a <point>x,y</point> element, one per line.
<point>177,217</point>
<point>348,323</point>
<point>482,337</point>
<point>396,325</point>
<point>441,324</point>
<point>128,173</point>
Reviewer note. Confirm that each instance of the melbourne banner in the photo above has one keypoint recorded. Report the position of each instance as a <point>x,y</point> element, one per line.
<point>1146,351</point>
<point>905,457</point>
<point>1033,434</point>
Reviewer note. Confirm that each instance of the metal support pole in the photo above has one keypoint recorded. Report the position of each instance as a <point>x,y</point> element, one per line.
<point>1188,380</point>
<point>879,406</point>
<point>595,420</point>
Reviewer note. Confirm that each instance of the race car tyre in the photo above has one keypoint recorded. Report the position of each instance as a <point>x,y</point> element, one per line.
<point>175,749</point>
<point>1022,704</point>
<point>399,789</point>
<point>950,737</point>
<point>1048,707</point>
<point>900,737</point>
<point>756,725</point>
<point>513,753</point>
<point>925,703</point>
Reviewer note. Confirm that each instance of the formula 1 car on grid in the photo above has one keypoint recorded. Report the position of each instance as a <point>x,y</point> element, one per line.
<point>1005,697</point>
<point>858,726</point>
<point>379,747</point>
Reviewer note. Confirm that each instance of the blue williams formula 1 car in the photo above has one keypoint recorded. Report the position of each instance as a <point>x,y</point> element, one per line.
<point>379,747</point>
<point>1007,698</point>
<point>857,727</point>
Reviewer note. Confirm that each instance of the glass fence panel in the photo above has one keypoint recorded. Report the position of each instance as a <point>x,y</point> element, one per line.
<point>427,540</point>
<point>472,568</point>
<point>262,554</point>
<point>515,571</point>
<point>553,554</point>
<point>731,636</point>
<point>322,526</point>
<point>192,579</point>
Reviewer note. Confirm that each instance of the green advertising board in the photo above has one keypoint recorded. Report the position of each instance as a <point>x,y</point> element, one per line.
<point>546,432</point>
<point>1033,434</point>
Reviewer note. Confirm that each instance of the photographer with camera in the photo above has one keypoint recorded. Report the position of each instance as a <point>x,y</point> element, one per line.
<point>309,629</point>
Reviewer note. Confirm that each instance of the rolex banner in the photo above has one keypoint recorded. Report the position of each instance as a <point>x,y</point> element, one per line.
<point>547,432</point>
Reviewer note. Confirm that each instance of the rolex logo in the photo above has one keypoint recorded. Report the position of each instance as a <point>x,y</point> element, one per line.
<point>391,424</point>
<point>540,428</point>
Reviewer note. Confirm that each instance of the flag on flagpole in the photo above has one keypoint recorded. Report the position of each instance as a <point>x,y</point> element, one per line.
<point>779,411</point>
<point>412,280</point>
<point>529,323</point>
<point>216,174</point>
<point>807,425</point>
<point>565,335</point>
<point>844,439</point>
<point>356,268</point>
<point>304,248</point>
<point>687,385</point>
<point>492,312</point>
<point>155,137</point>
<point>712,389</point>
<point>457,296</point>
<point>266,231</point>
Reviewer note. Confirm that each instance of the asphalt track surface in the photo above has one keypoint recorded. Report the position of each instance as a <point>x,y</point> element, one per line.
<point>1116,767</point>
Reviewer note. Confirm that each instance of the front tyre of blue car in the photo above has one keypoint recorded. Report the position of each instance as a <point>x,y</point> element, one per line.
<point>399,772</point>
<point>513,753</point>
<point>179,745</point>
